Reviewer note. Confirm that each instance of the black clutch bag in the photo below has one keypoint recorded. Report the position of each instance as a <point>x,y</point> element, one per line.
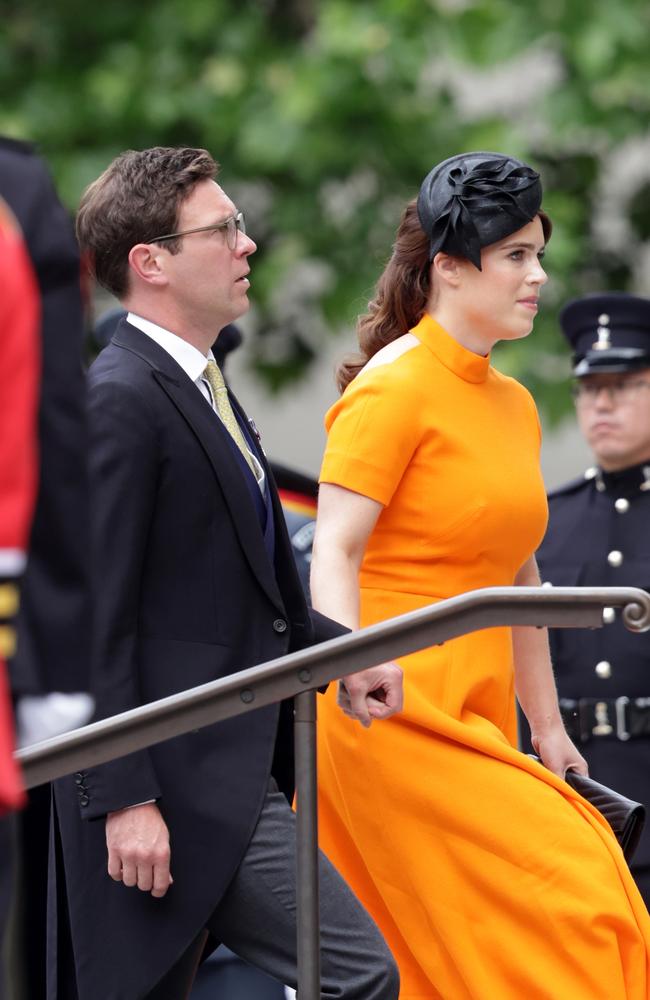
<point>625,816</point>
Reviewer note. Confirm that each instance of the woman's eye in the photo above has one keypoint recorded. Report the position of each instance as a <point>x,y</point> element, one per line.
<point>517,255</point>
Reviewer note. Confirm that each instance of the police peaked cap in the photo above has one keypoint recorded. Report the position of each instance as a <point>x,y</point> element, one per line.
<point>608,332</point>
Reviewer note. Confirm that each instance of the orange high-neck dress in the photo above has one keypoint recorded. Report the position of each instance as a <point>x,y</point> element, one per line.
<point>489,877</point>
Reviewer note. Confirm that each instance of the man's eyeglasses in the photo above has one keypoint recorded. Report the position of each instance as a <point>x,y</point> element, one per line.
<point>620,390</point>
<point>232,226</point>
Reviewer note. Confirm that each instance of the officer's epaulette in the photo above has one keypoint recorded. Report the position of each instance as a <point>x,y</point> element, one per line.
<point>574,484</point>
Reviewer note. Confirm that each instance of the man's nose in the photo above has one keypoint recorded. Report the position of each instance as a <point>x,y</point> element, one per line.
<point>604,397</point>
<point>245,245</point>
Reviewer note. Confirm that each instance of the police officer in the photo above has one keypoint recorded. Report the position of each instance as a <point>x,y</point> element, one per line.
<point>599,535</point>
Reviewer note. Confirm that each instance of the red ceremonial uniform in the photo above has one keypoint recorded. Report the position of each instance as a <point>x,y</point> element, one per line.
<point>19,365</point>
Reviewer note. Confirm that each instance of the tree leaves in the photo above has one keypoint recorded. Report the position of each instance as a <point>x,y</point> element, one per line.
<point>328,115</point>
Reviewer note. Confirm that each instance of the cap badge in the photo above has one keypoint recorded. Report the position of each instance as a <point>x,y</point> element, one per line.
<point>603,343</point>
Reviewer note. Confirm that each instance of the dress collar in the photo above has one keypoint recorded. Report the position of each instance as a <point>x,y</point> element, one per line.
<point>458,359</point>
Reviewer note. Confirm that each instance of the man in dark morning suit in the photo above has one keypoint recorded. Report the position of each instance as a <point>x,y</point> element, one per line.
<point>49,671</point>
<point>194,568</point>
<point>223,973</point>
<point>599,535</point>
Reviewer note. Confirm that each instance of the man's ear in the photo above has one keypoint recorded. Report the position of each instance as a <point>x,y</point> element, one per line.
<point>446,269</point>
<point>146,262</point>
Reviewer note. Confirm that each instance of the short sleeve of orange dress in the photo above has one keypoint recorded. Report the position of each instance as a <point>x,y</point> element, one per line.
<point>373,431</point>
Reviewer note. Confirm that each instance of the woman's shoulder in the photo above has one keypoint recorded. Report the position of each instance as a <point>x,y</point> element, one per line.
<point>510,388</point>
<point>387,381</point>
<point>391,352</point>
<point>395,365</point>
<point>508,383</point>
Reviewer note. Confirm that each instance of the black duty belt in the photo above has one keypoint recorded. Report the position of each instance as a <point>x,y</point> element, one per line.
<point>606,718</point>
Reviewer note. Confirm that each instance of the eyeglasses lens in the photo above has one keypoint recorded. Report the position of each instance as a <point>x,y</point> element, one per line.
<point>616,391</point>
<point>236,225</point>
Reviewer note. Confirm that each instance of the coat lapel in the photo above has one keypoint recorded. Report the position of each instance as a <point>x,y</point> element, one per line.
<point>212,437</point>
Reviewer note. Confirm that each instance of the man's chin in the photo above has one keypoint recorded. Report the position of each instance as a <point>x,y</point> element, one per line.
<point>241,306</point>
<point>612,459</point>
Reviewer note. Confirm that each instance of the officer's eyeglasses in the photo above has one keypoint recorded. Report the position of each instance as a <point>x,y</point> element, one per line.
<point>620,390</point>
<point>232,227</point>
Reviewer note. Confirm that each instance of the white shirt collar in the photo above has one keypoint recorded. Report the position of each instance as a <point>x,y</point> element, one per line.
<point>191,360</point>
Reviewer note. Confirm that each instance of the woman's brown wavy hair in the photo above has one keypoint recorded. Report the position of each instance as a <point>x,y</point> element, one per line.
<point>401,294</point>
<point>400,298</point>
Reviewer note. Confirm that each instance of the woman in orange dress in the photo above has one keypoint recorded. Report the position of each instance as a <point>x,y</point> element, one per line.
<point>489,877</point>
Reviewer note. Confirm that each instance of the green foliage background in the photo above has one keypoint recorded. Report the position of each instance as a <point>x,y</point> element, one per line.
<point>326,116</point>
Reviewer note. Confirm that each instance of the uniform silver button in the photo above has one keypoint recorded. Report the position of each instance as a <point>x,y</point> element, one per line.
<point>615,558</point>
<point>547,583</point>
<point>604,669</point>
<point>609,615</point>
<point>622,505</point>
<point>591,472</point>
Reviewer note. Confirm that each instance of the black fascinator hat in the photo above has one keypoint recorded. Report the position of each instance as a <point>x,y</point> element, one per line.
<point>474,199</point>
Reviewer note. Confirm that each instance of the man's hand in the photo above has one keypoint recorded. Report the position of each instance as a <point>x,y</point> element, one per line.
<point>558,753</point>
<point>138,848</point>
<point>375,693</point>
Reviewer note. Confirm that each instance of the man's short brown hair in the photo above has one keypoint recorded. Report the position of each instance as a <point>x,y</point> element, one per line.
<point>136,198</point>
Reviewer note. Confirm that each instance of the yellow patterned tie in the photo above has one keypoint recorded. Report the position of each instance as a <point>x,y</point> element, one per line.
<point>212,373</point>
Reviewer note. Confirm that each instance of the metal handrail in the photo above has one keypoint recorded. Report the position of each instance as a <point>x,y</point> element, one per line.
<point>570,607</point>
<point>299,675</point>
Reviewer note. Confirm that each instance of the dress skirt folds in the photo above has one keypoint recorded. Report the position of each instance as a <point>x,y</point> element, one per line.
<point>489,877</point>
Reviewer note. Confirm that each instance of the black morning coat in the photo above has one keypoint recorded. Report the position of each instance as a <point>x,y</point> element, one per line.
<point>186,593</point>
<point>599,535</point>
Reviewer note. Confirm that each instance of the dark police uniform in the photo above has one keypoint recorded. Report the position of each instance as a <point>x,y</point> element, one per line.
<point>599,535</point>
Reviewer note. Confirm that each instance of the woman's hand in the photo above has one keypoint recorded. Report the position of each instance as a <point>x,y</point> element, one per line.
<point>376,693</point>
<point>557,752</point>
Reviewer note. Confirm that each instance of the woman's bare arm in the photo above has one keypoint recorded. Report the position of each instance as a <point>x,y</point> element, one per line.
<point>344,524</point>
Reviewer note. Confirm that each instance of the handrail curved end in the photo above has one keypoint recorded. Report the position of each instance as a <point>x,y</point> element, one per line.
<point>636,614</point>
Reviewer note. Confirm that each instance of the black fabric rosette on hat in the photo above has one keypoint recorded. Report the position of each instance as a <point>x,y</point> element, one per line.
<point>474,199</point>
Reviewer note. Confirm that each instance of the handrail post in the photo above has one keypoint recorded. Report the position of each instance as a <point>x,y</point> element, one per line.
<point>307,915</point>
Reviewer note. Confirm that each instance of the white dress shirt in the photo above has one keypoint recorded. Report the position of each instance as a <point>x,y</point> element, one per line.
<point>193,363</point>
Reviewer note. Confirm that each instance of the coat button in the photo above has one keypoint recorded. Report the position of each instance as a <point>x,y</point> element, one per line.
<point>622,505</point>
<point>84,799</point>
<point>79,778</point>
<point>615,558</point>
<point>279,625</point>
<point>603,669</point>
<point>609,616</point>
